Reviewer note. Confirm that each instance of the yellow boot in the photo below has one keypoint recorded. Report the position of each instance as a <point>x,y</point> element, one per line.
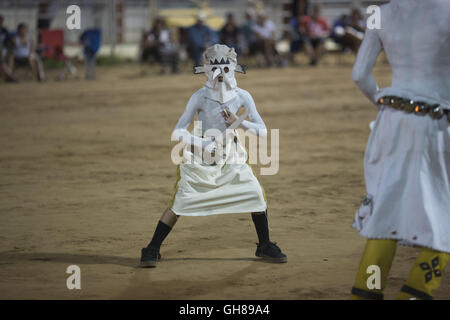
<point>425,275</point>
<point>380,254</point>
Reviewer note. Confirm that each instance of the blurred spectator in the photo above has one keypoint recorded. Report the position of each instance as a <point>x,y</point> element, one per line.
<point>248,36</point>
<point>264,30</point>
<point>22,53</point>
<point>46,12</point>
<point>296,37</point>
<point>339,23</point>
<point>338,29</point>
<point>357,20</point>
<point>4,37</point>
<point>349,31</point>
<point>314,29</point>
<point>200,36</point>
<point>3,33</point>
<point>158,43</point>
<point>355,30</point>
<point>229,34</point>
<point>91,41</point>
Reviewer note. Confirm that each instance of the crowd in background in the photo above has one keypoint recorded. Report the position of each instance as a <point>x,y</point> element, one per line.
<point>18,49</point>
<point>255,38</point>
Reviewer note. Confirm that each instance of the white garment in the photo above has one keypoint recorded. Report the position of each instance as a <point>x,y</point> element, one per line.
<point>407,172</point>
<point>407,160</point>
<point>22,50</point>
<point>266,31</point>
<point>204,189</point>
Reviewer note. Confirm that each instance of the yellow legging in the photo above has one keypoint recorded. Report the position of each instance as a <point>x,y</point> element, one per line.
<point>424,278</point>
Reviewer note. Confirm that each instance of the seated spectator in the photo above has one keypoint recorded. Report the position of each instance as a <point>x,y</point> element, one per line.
<point>315,30</point>
<point>200,36</point>
<point>3,32</point>
<point>91,41</point>
<point>148,46</point>
<point>229,34</point>
<point>357,20</point>
<point>22,52</point>
<point>158,44</point>
<point>264,30</point>
<point>296,37</point>
<point>338,29</point>
<point>4,68</point>
<point>349,31</point>
<point>248,36</point>
<point>355,30</point>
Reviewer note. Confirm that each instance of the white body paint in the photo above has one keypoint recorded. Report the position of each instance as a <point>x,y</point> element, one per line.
<point>407,160</point>
<point>228,187</point>
<point>224,188</point>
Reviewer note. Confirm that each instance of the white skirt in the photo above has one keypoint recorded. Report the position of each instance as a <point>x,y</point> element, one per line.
<point>407,173</point>
<point>229,187</point>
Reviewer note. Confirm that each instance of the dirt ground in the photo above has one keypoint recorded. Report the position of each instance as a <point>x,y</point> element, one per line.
<point>85,174</point>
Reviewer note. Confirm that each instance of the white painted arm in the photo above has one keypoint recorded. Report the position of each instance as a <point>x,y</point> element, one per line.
<point>181,133</point>
<point>256,123</point>
<point>365,61</point>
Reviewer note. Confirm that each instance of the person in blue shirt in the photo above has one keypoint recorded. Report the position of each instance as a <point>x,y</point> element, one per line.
<point>200,36</point>
<point>348,31</point>
<point>91,40</point>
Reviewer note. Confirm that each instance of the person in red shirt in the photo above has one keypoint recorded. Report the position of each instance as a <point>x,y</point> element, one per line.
<point>314,29</point>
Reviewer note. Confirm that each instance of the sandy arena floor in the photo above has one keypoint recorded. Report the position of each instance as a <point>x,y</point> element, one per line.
<point>85,174</point>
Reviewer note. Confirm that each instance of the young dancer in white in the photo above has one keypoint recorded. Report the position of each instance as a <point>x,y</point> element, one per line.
<point>407,160</point>
<point>229,186</point>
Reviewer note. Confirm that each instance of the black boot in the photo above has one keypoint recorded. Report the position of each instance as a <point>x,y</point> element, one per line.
<point>271,252</point>
<point>266,249</point>
<point>149,256</point>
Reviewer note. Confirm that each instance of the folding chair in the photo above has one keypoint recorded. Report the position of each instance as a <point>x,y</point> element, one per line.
<point>52,44</point>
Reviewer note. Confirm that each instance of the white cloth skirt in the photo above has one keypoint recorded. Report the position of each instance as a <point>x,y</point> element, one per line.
<point>407,173</point>
<point>229,187</point>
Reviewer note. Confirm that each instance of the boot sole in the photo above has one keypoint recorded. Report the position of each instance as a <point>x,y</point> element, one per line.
<point>271,259</point>
<point>148,264</point>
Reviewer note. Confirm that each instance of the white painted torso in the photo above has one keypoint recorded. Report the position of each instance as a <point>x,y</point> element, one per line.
<point>415,35</point>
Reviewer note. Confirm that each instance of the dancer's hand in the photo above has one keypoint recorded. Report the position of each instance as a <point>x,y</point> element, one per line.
<point>228,116</point>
